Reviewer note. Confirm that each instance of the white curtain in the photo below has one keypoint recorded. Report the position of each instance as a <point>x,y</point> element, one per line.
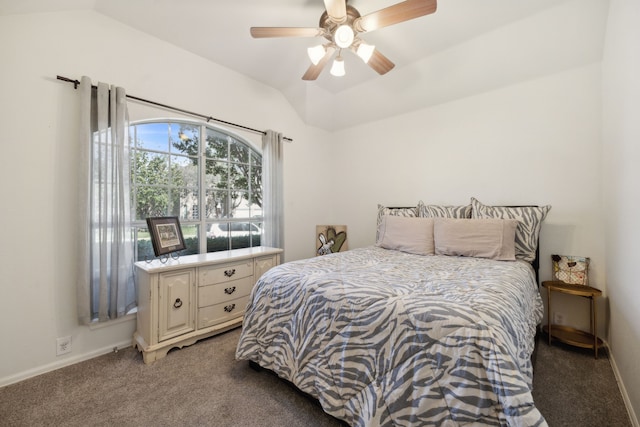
<point>273,205</point>
<point>106,286</point>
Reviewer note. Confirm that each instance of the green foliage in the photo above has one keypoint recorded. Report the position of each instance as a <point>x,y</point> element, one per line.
<point>145,250</point>
<point>214,244</point>
<point>227,166</point>
<point>157,185</point>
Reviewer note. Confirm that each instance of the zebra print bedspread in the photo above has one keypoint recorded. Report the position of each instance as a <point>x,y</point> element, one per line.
<point>386,338</point>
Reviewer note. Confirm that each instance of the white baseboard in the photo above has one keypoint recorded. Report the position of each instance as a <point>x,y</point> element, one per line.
<point>625,396</point>
<point>61,364</point>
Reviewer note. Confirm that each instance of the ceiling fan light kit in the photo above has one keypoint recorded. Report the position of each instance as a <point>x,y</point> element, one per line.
<point>337,69</point>
<point>341,24</point>
<point>316,53</point>
<point>343,36</point>
<point>364,51</point>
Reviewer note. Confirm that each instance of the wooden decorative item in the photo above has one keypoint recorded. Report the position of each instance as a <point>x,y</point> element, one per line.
<point>331,239</point>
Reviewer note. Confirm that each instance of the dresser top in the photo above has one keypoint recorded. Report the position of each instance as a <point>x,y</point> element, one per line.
<point>210,258</point>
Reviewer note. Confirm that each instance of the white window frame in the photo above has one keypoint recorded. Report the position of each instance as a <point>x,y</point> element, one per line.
<point>202,223</point>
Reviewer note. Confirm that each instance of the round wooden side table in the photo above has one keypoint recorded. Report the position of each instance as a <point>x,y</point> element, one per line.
<point>566,334</point>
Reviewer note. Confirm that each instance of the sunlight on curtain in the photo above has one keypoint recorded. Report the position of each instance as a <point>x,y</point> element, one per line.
<point>106,286</point>
<point>273,206</point>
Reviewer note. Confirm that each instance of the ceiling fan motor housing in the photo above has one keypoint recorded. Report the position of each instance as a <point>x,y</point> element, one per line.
<point>331,26</point>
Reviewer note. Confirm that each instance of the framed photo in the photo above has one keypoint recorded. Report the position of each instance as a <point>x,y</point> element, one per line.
<point>166,234</point>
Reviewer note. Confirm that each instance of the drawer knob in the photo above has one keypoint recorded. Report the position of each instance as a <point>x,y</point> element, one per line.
<point>230,273</point>
<point>178,303</point>
<point>229,291</point>
<point>229,308</point>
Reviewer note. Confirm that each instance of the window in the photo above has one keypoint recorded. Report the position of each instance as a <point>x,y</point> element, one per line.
<point>208,177</point>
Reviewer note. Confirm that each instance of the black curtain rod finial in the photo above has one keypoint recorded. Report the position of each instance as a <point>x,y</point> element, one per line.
<point>66,79</point>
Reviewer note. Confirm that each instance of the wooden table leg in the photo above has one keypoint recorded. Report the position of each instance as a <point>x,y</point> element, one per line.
<point>594,325</point>
<point>549,314</point>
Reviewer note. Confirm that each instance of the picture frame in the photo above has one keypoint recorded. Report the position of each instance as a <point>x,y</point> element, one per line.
<point>166,235</point>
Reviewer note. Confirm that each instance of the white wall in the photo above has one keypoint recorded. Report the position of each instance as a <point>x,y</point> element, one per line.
<point>38,184</point>
<point>621,153</point>
<point>562,37</point>
<point>536,142</point>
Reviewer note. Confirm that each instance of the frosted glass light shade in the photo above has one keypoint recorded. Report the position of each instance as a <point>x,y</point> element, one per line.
<point>316,53</point>
<point>337,69</point>
<point>343,36</point>
<point>365,51</point>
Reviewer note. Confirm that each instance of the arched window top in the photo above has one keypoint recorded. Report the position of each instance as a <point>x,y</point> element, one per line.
<point>213,129</point>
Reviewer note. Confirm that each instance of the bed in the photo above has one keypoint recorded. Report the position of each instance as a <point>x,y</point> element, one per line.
<point>392,336</point>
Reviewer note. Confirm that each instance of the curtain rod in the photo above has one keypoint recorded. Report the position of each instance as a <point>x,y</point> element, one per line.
<point>157,104</point>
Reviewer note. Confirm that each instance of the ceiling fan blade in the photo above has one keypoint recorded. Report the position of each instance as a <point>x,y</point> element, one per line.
<point>380,63</point>
<point>262,32</point>
<point>314,70</point>
<point>336,9</point>
<point>399,12</point>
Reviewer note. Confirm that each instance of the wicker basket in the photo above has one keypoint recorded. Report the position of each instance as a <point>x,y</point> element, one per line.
<point>571,269</point>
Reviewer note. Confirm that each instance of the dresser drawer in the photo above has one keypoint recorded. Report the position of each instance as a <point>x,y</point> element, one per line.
<point>263,264</point>
<point>224,273</point>
<point>222,292</point>
<point>218,313</point>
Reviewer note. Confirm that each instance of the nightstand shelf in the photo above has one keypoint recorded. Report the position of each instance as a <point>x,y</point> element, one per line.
<point>568,335</point>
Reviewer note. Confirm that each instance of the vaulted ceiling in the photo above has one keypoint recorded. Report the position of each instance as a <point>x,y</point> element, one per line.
<point>465,47</point>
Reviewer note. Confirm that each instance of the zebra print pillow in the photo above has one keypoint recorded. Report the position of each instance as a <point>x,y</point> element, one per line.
<point>383,210</point>
<point>441,211</point>
<point>529,223</point>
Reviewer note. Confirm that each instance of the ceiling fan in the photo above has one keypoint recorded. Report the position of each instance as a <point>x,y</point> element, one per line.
<point>341,25</point>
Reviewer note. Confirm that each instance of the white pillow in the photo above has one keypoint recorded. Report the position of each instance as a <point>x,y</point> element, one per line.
<point>406,234</point>
<point>480,238</point>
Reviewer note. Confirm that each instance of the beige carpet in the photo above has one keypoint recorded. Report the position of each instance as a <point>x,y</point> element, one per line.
<point>203,385</point>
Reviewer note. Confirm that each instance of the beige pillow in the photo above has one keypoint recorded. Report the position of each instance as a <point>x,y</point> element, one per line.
<point>384,210</point>
<point>407,234</point>
<point>480,238</point>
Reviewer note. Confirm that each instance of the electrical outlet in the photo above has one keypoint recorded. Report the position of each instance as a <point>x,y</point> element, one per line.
<point>63,345</point>
<point>558,318</point>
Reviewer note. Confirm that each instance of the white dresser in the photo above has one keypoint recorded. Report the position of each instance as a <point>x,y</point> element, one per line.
<point>195,296</point>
